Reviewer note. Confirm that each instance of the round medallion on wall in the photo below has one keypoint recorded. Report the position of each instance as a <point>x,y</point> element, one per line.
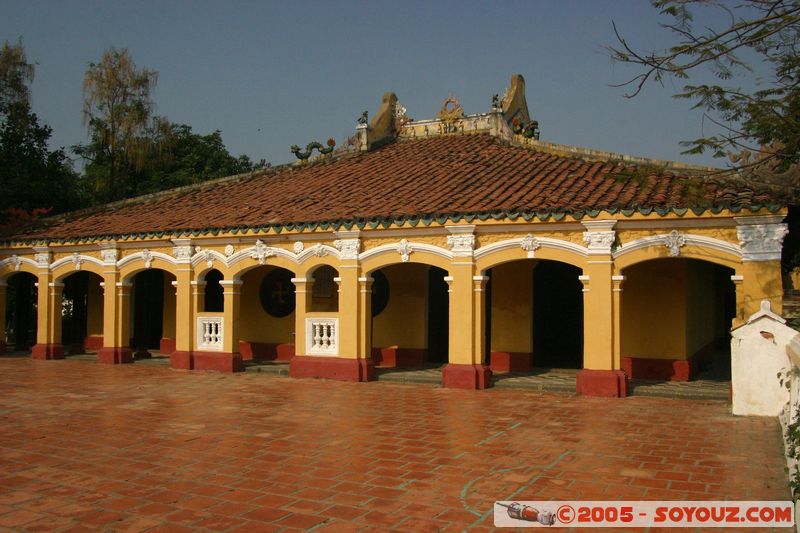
<point>380,292</point>
<point>277,293</point>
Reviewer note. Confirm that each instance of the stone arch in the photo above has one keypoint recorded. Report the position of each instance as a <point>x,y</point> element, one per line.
<point>82,313</point>
<point>630,255</point>
<point>696,302</point>
<point>65,267</point>
<point>313,264</point>
<point>18,312</point>
<point>132,264</point>
<point>241,265</point>
<point>547,248</point>
<point>11,266</point>
<point>420,253</point>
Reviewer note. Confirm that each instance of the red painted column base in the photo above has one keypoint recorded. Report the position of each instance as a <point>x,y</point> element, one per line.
<point>466,376</point>
<point>216,361</point>
<point>115,355</point>
<point>181,360</point>
<point>47,351</point>
<point>511,361</point>
<point>605,383</point>
<point>340,368</point>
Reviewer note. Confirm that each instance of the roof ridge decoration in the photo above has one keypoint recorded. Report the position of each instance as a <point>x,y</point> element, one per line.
<point>450,113</point>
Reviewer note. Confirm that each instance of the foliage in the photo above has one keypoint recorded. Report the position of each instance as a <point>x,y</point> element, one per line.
<point>186,158</point>
<point>34,179</point>
<point>15,75</point>
<point>118,111</point>
<point>792,432</point>
<point>131,151</point>
<point>765,121</point>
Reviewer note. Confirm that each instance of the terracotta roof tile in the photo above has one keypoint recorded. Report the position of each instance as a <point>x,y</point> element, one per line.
<point>441,175</point>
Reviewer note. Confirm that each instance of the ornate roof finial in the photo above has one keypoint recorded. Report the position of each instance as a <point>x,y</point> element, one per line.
<point>363,119</point>
<point>450,113</point>
<point>303,156</point>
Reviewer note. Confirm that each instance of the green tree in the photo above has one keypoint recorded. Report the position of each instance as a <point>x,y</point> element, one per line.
<point>185,158</point>
<point>759,129</point>
<point>118,110</point>
<point>33,178</point>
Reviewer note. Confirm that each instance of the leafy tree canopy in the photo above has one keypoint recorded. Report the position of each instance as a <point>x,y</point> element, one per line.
<point>131,151</point>
<point>759,129</point>
<point>33,178</point>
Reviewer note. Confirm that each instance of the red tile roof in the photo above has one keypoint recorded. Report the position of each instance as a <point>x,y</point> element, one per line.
<point>459,174</point>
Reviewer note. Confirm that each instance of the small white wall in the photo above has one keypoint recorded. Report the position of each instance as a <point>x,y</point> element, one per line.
<point>758,353</point>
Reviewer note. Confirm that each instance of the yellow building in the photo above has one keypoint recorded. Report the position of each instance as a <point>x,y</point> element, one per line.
<point>462,240</point>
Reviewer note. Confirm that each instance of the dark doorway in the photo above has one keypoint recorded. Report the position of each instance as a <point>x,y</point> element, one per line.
<point>438,316</point>
<point>21,311</point>
<point>557,316</point>
<point>75,300</point>
<point>148,309</point>
<point>214,298</point>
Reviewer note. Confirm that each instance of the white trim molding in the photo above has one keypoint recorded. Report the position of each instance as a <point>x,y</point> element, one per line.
<point>77,260</point>
<point>405,248</point>
<point>673,243</point>
<point>530,244</point>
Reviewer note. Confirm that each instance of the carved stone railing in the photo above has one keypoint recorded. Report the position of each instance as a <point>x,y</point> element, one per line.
<point>210,333</point>
<point>322,336</point>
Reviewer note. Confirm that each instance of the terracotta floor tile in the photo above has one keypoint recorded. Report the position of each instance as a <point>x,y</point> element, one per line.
<point>139,447</point>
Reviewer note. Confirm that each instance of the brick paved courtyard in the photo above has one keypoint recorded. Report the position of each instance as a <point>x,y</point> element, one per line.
<point>143,448</point>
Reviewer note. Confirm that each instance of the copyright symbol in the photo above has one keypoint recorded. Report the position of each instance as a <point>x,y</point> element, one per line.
<point>565,514</point>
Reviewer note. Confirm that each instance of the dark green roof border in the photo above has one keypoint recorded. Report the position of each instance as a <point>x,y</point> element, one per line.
<point>386,222</point>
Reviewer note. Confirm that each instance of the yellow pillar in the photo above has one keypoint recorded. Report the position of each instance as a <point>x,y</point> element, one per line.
<point>601,374</point>
<point>349,304</point>
<point>124,301</point>
<point>302,294</point>
<point>365,317</point>
<point>116,348</point>
<point>617,282</point>
<point>465,369</point>
<point>760,280</point>
<point>48,334</point>
<point>3,292</point>
<point>185,298</point>
<point>760,239</point>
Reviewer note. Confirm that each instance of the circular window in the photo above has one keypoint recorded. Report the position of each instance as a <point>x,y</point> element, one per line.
<point>277,293</point>
<point>380,292</point>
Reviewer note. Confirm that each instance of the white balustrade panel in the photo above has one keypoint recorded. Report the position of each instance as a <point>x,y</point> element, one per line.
<point>322,336</point>
<point>210,333</point>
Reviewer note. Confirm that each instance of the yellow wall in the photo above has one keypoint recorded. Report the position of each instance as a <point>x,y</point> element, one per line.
<point>94,307</point>
<point>512,306</point>
<point>671,308</point>
<point>402,323</point>
<point>654,310</point>
<point>168,321</point>
<point>255,325</point>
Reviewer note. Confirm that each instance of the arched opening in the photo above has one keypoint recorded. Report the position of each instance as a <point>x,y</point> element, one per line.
<point>153,311</point>
<point>213,298</point>
<point>410,316</point>
<point>325,291</point>
<point>675,320</point>
<point>267,314</point>
<point>21,312</point>
<point>534,316</point>
<point>82,313</point>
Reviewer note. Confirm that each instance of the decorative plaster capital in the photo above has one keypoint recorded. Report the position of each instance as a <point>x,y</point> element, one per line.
<point>761,238</point>
<point>348,248</point>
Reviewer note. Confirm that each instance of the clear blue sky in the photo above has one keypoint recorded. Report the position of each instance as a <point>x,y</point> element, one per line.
<point>270,74</point>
